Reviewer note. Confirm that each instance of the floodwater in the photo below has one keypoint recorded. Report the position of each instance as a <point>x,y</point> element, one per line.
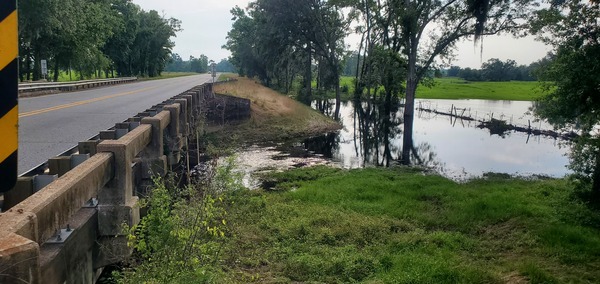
<point>453,147</point>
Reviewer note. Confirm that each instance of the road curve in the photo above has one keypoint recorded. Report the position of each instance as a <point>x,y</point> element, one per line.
<point>50,125</point>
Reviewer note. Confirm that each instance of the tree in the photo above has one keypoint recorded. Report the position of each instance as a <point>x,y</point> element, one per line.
<point>424,30</point>
<point>242,41</point>
<point>225,66</point>
<point>176,64</point>
<point>572,92</point>
<point>497,70</point>
<point>279,39</point>
<point>199,65</point>
<point>470,74</point>
<point>453,71</point>
<point>93,37</point>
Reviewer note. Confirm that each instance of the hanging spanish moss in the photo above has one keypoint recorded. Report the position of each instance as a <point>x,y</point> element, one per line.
<point>479,9</point>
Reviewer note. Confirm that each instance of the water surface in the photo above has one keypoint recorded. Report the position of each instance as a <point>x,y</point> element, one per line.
<point>454,147</point>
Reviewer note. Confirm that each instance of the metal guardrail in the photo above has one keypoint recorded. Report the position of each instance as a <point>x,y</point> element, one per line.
<point>69,86</point>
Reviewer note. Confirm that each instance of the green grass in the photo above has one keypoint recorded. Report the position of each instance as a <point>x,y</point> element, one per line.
<point>401,226</point>
<point>456,88</point>
<point>226,76</point>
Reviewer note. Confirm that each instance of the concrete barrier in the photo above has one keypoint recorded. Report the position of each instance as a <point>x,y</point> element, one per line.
<point>67,230</point>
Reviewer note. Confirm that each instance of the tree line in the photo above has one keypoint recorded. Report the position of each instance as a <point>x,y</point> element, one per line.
<point>403,41</point>
<point>93,38</point>
<point>280,41</point>
<point>496,70</point>
<point>198,65</point>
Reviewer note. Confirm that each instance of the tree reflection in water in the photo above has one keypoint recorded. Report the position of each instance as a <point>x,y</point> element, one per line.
<point>376,135</point>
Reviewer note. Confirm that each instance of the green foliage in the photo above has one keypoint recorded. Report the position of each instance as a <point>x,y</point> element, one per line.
<point>181,237</point>
<point>280,40</point>
<point>93,37</point>
<point>496,70</point>
<point>287,180</point>
<point>572,97</point>
<point>197,65</point>
<point>401,226</point>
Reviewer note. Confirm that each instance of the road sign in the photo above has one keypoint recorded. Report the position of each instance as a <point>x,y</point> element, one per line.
<point>9,113</point>
<point>44,65</point>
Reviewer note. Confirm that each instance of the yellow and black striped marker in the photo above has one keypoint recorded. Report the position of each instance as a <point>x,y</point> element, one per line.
<point>9,113</point>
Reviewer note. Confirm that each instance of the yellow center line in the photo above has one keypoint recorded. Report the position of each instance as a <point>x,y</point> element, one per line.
<point>40,111</point>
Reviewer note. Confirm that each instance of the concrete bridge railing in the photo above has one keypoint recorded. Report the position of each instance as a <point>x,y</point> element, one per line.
<point>70,229</point>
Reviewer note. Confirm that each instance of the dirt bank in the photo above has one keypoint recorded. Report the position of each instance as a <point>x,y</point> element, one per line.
<point>274,117</point>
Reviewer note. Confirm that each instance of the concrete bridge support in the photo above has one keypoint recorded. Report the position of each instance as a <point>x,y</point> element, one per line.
<point>71,228</point>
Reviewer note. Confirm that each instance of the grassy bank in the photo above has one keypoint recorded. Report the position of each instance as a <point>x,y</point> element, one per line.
<point>273,115</point>
<point>395,226</point>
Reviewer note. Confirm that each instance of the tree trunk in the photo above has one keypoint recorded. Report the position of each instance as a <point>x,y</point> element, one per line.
<point>596,180</point>
<point>56,70</point>
<point>37,73</point>
<point>308,76</point>
<point>409,107</point>
<point>337,97</point>
<point>28,66</point>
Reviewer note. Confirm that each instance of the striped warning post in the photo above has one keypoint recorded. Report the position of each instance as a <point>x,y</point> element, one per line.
<point>9,114</point>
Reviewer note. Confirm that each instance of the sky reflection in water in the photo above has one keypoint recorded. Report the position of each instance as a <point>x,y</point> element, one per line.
<point>455,148</point>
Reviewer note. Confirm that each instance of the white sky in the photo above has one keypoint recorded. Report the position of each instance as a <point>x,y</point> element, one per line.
<point>205,24</point>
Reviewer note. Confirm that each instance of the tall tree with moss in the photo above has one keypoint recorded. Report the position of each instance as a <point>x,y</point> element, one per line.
<point>571,81</point>
<point>424,31</point>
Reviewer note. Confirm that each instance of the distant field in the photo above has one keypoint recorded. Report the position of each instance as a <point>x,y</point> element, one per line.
<point>457,88</point>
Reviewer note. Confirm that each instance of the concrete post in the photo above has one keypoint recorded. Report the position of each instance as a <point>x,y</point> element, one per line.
<point>152,159</point>
<point>107,135</point>
<point>19,260</point>
<point>88,147</point>
<point>22,190</point>
<point>116,201</point>
<point>173,139</point>
<point>59,165</point>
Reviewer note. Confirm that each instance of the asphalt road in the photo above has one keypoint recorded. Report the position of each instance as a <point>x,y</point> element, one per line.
<point>50,125</point>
